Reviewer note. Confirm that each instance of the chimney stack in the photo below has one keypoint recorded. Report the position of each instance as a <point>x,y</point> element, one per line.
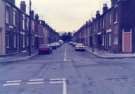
<point>32,14</point>
<point>23,6</point>
<point>114,2</point>
<point>11,1</point>
<point>98,14</point>
<point>105,8</point>
<point>36,17</point>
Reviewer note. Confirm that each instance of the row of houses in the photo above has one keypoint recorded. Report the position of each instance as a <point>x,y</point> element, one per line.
<point>15,25</point>
<point>113,30</point>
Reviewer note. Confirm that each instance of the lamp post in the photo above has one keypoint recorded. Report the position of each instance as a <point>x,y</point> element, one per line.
<point>29,35</point>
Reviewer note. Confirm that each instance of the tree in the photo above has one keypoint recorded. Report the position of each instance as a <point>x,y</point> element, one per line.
<point>66,37</point>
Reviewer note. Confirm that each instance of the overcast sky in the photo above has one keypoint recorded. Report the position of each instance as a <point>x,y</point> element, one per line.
<point>66,15</point>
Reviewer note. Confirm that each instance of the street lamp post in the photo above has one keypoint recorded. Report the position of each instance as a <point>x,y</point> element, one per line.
<point>30,28</point>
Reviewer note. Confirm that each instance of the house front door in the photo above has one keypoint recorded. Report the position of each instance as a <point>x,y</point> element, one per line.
<point>127,42</point>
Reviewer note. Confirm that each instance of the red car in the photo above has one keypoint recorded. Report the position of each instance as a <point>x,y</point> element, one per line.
<point>44,49</point>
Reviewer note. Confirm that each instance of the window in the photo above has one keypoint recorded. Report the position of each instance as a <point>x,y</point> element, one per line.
<point>23,22</point>
<point>115,17</point>
<point>110,19</point>
<point>7,40</point>
<point>27,23</point>
<point>14,18</point>
<point>27,41</point>
<point>7,16</point>
<point>115,40</point>
<point>110,39</point>
<point>23,41</point>
<point>15,41</point>
<point>103,23</point>
<point>103,40</point>
<point>33,26</point>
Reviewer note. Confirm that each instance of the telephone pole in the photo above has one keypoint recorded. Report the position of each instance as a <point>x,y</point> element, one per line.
<point>30,35</point>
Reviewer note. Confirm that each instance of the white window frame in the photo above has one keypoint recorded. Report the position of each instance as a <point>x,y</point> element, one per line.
<point>14,18</point>
<point>23,22</point>
<point>7,16</point>
<point>103,40</point>
<point>110,39</point>
<point>116,17</point>
<point>110,18</point>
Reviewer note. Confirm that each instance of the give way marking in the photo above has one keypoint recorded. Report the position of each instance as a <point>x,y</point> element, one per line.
<point>62,81</point>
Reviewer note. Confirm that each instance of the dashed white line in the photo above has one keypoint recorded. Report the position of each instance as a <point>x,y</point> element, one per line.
<point>56,79</point>
<point>62,81</point>
<point>65,55</point>
<point>55,82</point>
<point>35,83</point>
<point>33,80</point>
<point>11,84</point>
<point>14,81</point>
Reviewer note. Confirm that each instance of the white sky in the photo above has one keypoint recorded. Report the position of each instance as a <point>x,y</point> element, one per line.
<point>66,15</point>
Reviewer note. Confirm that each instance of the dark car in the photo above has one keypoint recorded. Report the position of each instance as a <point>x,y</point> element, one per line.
<point>44,49</point>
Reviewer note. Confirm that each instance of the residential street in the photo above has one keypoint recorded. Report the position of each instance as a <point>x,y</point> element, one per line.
<point>68,72</point>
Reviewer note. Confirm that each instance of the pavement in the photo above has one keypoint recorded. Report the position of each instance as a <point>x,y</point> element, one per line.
<point>67,71</point>
<point>17,57</point>
<point>108,55</point>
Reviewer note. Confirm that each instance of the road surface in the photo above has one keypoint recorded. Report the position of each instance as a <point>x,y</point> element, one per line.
<point>68,72</point>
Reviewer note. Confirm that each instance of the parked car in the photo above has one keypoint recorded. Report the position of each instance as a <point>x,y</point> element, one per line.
<point>73,43</point>
<point>70,42</point>
<point>61,42</point>
<point>79,47</point>
<point>57,44</point>
<point>44,49</point>
<point>54,45</point>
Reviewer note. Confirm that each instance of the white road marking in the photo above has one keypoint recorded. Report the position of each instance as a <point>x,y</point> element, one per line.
<point>35,83</point>
<point>65,54</point>
<point>64,86</point>
<point>56,79</point>
<point>62,81</point>
<point>11,84</point>
<point>55,82</point>
<point>34,80</point>
<point>14,81</point>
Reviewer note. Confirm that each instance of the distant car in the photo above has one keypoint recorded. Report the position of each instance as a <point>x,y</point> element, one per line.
<point>73,44</point>
<point>70,42</point>
<point>54,45</point>
<point>44,49</point>
<point>79,47</point>
<point>61,42</point>
<point>57,44</point>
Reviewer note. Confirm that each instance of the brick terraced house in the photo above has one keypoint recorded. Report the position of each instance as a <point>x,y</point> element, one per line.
<point>112,31</point>
<point>14,29</point>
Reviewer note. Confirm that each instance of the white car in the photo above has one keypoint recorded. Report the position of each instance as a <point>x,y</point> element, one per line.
<point>79,47</point>
<point>54,45</point>
<point>61,42</point>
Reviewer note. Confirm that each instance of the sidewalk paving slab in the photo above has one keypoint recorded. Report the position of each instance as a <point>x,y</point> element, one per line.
<point>107,55</point>
<point>16,58</point>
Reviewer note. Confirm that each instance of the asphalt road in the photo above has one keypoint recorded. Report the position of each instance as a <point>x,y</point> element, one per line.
<point>68,72</point>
